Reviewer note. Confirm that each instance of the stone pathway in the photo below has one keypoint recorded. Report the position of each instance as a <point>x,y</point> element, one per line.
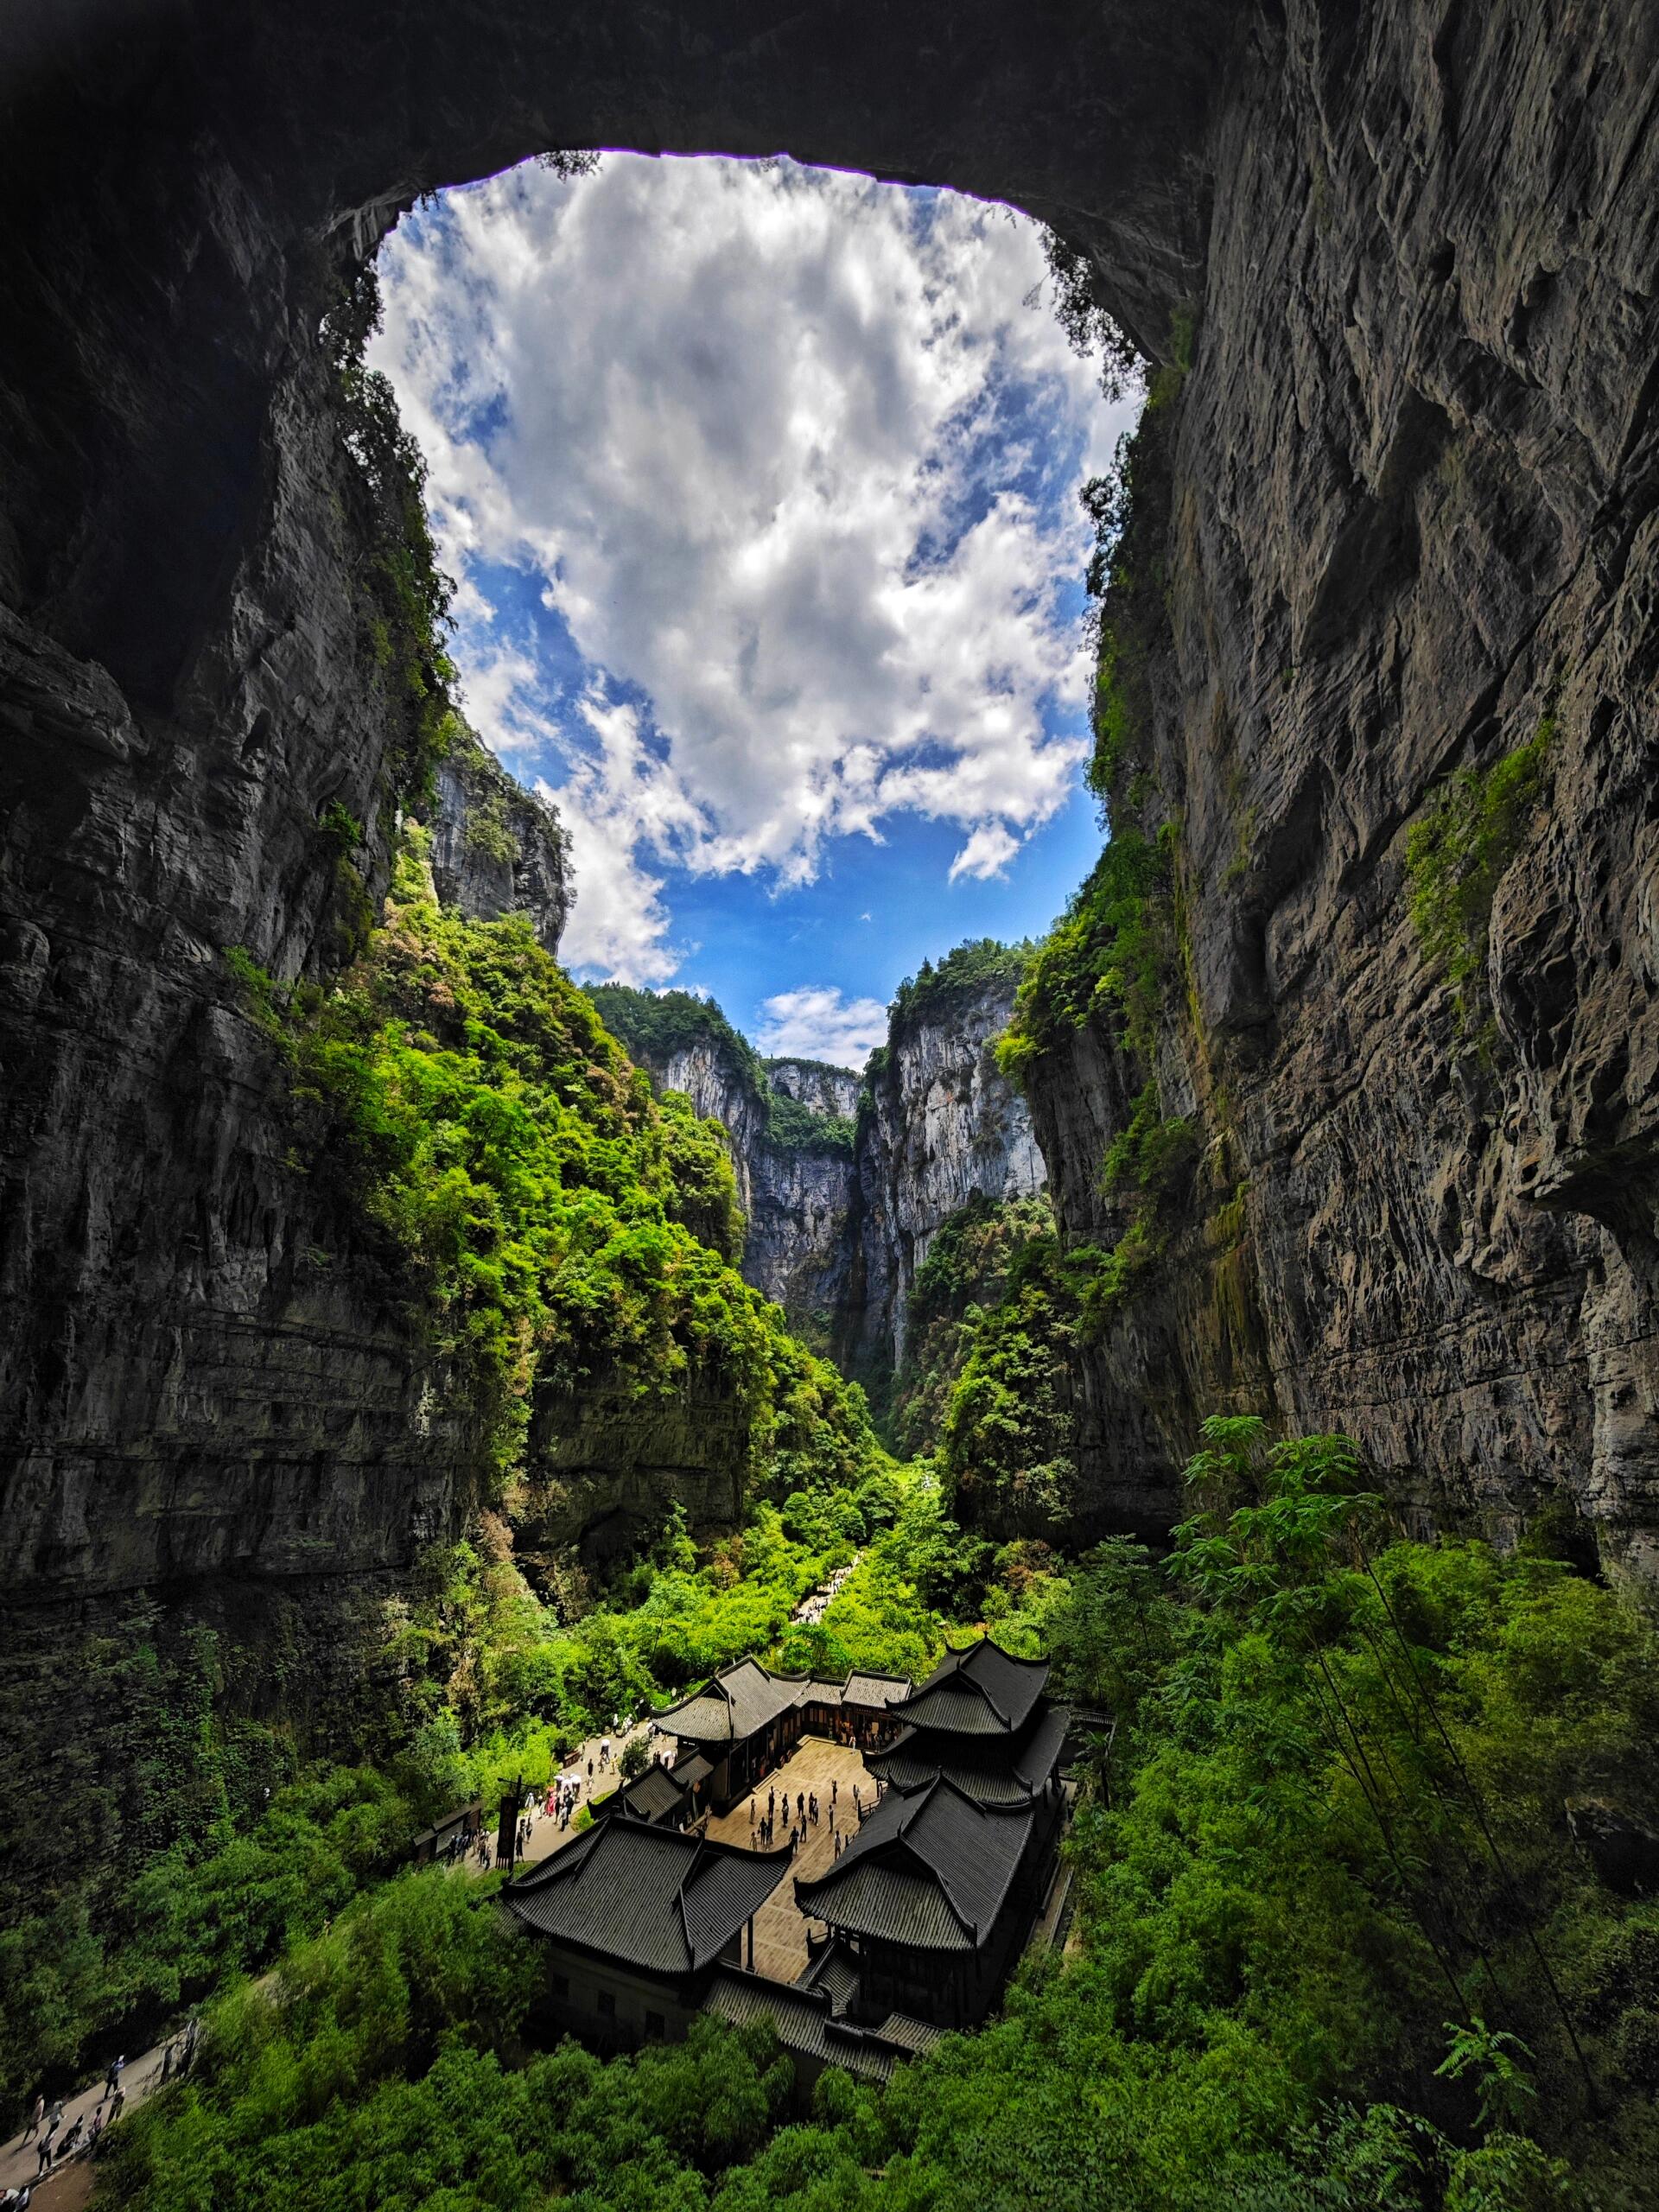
<point>779,1926</point>
<point>546,1836</point>
<point>813,1607</point>
<point>69,2182</point>
<point>68,2185</point>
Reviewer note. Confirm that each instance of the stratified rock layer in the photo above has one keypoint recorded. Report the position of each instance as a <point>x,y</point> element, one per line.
<point>1413,516</point>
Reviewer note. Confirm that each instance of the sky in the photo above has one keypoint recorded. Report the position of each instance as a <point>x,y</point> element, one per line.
<point>759,484</point>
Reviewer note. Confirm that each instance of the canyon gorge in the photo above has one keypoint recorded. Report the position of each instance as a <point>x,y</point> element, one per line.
<point>1395,518</point>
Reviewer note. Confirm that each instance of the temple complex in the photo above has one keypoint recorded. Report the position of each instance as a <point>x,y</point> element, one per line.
<point>635,1917</point>
<point>921,1861</point>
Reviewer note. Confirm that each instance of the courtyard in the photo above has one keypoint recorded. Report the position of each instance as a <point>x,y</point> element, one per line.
<point>812,1767</point>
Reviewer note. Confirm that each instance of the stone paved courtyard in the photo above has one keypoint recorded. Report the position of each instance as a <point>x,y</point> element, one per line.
<point>780,1930</point>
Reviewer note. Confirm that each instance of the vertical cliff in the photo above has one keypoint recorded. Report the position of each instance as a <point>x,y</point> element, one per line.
<point>497,848</point>
<point>841,1211</point>
<point>1381,693</point>
<point>942,1125</point>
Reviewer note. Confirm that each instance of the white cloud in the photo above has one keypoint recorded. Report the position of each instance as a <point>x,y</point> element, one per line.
<point>986,853</point>
<point>814,1023</point>
<point>789,457</point>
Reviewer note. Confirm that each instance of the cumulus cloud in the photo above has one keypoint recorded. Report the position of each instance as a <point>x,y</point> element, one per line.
<point>986,853</point>
<point>816,1023</point>
<point>786,459</point>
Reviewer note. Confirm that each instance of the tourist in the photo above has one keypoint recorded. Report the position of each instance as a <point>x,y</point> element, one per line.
<point>44,2154</point>
<point>71,2142</point>
<point>36,2114</point>
<point>112,2078</point>
<point>754,1810</point>
<point>117,2102</point>
<point>771,1802</point>
<point>96,2129</point>
<point>800,1804</point>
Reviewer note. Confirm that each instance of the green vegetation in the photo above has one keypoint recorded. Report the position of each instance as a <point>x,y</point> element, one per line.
<point>1334,1947</point>
<point>404,607</point>
<point>970,1264</point>
<point>488,832</point>
<point>1087,326</point>
<point>464,1099</point>
<point>656,1024</point>
<point>981,964</point>
<point>1104,959</point>
<point>1457,855</point>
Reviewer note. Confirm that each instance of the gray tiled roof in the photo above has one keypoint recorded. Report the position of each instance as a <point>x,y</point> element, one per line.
<point>805,2024</point>
<point>931,1870</point>
<point>980,1692</point>
<point>836,1971</point>
<point>744,1698</point>
<point>986,1767</point>
<point>653,1897</point>
<point>874,1689</point>
<point>653,1794</point>
<point>738,1701</point>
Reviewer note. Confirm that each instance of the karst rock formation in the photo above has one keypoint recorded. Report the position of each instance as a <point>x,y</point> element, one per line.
<point>1410,514</point>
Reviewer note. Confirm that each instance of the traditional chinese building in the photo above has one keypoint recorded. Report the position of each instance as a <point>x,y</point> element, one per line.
<point>934,1895</point>
<point>745,1720</point>
<point>635,1918</point>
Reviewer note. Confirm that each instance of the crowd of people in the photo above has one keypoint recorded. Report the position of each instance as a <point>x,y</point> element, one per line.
<point>55,2144</point>
<point>805,1816</point>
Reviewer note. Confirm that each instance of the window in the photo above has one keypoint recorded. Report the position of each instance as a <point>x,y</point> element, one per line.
<point>561,1985</point>
<point>606,2005</point>
<point>655,2026</point>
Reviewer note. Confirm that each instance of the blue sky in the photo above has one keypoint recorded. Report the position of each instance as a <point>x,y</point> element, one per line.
<point>759,486</point>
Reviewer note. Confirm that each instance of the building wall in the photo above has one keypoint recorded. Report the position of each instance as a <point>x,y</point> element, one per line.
<point>637,2001</point>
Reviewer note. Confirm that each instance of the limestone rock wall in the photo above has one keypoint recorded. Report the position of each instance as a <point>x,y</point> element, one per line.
<point>498,849</point>
<point>943,1123</point>
<point>1415,509</point>
<point>1413,516</point>
<point>799,1198</point>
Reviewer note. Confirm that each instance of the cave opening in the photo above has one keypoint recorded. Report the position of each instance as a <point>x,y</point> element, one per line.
<point>759,487</point>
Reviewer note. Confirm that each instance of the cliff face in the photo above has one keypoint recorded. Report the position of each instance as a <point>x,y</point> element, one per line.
<point>795,1180</point>
<point>497,848</point>
<point>843,1199</point>
<point>1411,514</point>
<point>1410,522</point>
<point>943,1124</point>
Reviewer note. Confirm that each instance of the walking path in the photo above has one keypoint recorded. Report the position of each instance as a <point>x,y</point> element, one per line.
<point>69,2184</point>
<point>20,2162</point>
<point>545,1835</point>
<point>813,1607</point>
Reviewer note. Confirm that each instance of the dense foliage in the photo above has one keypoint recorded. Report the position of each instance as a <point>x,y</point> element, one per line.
<point>558,1222</point>
<point>984,1382</point>
<point>1334,1944</point>
<point>656,1024</point>
<point>404,596</point>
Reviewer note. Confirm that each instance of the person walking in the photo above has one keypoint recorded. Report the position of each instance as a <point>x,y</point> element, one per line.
<point>71,2142</point>
<point>118,2104</point>
<point>753,1810</point>
<point>44,2154</point>
<point>36,2114</point>
<point>112,2078</point>
<point>834,1791</point>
